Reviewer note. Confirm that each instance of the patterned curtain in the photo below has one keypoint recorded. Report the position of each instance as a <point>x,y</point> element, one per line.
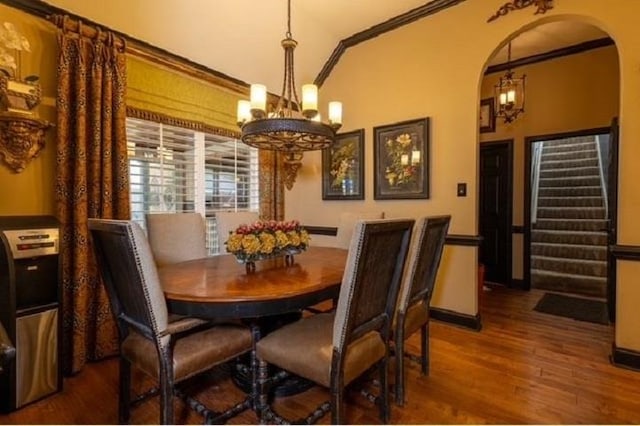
<point>92,178</point>
<point>271,185</point>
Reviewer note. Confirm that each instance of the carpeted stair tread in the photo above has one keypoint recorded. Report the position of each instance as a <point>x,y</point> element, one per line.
<point>571,155</point>
<point>570,191</point>
<point>578,162</point>
<point>568,237</point>
<point>572,224</point>
<point>570,172</point>
<point>569,283</point>
<point>569,181</point>
<point>571,212</point>
<point>597,268</point>
<point>569,146</point>
<point>573,251</point>
<point>570,201</point>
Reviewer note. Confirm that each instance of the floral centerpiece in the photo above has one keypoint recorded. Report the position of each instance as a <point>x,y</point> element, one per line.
<point>266,239</point>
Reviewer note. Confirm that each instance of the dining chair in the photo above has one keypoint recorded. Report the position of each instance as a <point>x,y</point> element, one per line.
<point>168,351</point>
<point>176,237</point>
<point>333,349</point>
<point>418,282</point>
<point>347,224</point>
<point>227,222</point>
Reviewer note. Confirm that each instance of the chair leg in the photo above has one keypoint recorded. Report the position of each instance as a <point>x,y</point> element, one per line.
<point>124,397</point>
<point>337,405</point>
<point>424,334</point>
<point>166,395</point>
<point>399,385</point>
<point>384,390</point>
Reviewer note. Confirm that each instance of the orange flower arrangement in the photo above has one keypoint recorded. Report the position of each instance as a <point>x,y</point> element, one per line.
<point>264,239</point>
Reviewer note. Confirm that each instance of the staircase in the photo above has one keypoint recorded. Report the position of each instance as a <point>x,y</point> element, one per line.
<point>569,238</point>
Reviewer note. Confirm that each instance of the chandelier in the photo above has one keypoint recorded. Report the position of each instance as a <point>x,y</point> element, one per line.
<point>509,93</point>
<point>292,127</point>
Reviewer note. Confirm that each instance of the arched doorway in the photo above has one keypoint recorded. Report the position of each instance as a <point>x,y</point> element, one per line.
<point>572,85</point>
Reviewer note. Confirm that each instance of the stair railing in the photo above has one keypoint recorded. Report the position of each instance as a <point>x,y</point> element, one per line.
<point>535,179</point>
<point>603,175</point>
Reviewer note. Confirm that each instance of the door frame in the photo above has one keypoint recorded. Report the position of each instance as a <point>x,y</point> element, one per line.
<point>528,142</point>
<point>508,143</point>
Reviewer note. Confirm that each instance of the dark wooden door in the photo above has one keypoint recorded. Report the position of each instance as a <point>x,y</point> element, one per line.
<point>495,210</point>
<point>612,201</point>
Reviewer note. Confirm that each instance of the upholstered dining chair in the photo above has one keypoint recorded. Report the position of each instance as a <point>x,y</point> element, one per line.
<point>176,237</point>
<point>333,349</point>
<point>168,351</point>
<point>227,222</point>
<point>419,280</point>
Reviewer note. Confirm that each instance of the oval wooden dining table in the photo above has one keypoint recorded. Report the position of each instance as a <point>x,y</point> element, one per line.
<point>220,287</point>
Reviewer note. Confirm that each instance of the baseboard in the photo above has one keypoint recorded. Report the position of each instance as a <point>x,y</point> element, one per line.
<point>463,320</point>
<point>625,358</point>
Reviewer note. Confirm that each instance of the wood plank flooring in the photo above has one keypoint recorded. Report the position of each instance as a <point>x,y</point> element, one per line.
<point>523,367</point>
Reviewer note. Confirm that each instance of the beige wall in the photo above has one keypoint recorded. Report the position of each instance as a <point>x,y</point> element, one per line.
<point>571,93</point>
<point>433,68</point>
<point>31,192</point>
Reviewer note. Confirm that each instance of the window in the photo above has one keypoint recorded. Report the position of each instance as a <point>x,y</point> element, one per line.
<point>173,169</point>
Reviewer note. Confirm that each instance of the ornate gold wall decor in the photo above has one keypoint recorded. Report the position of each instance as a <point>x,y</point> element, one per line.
<point>21,139</point>
<point>541,5</point>
<point>292,163</point>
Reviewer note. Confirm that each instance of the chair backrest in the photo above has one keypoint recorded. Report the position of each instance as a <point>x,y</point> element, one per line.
<point>371,279</point>
<point>176,237</point>
<point>347,224</point>
<point>227,222</point>
<point>130,276</point>
<point>423,262</point>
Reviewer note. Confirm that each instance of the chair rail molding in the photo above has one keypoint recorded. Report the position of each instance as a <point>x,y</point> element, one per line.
<point>21,139</point>
<point>541,5</point>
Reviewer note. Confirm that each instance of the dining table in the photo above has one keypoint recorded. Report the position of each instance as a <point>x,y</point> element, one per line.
<point>266,295</point>
<point>220,287</point>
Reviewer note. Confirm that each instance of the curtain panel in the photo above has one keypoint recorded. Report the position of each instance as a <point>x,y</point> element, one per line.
<point>92,178</point>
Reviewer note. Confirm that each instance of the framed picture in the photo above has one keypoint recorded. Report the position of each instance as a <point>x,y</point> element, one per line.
<point>343,167</point>
<point>487,115</point>
<point>401,157</point>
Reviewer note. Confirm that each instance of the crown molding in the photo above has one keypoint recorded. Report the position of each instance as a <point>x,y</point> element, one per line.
<point>379,29</point>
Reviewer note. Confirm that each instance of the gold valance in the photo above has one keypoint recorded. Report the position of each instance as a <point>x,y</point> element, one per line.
<point>168,93</point>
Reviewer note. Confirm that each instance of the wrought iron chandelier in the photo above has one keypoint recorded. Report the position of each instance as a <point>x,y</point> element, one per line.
<point>509,93</point>
<point>292,127</point>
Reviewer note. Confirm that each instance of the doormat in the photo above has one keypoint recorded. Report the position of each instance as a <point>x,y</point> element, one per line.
<point>573,307</point>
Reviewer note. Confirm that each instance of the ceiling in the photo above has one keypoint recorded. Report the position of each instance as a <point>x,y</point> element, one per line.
<point>241,38</point>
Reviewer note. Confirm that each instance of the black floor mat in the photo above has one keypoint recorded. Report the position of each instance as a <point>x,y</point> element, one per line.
<point>573,307</point>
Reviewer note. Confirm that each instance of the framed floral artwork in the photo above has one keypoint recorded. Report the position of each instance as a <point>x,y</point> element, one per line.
<point>487,116</point>
<point>401,160</point>
<point>343,167</point>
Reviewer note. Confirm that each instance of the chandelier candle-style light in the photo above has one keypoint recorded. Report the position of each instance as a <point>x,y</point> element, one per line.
<point>293,126</point>
<point>509,93</point>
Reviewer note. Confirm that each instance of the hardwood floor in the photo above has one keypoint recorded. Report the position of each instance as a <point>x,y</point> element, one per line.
<point>523,367</point>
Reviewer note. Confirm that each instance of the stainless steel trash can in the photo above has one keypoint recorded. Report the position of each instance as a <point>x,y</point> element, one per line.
<point>30,308</point>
